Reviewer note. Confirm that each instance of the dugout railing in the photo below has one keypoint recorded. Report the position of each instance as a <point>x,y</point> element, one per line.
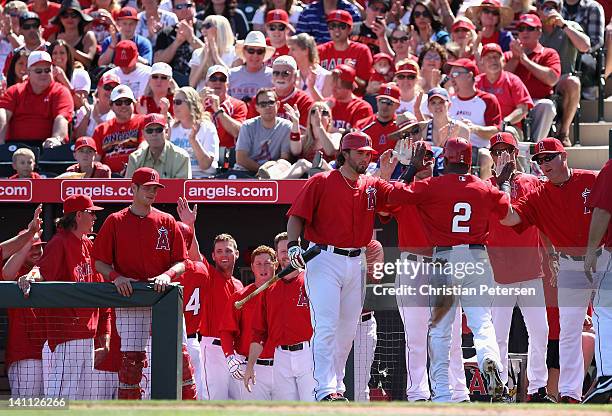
<point>166,327</point>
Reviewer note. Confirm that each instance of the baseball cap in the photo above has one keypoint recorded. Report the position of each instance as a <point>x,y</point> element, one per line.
<point>529,20</point>
<point>126,54</point>
<point>381,56</point>
<point>155,118</point>
<point>161,68</point>
<point>38,56</point>
<point>122,91</point>
<point>357,140</point>
<point>340,16</point>
<point>407,67</point>
<point>390,91</point>
<point>386,3</point>
<point>490,48</point>
<point>217,69</point>
<point>347,73</point>
<point>279,16</point>
<point>81,80</point>
<point>109,78</point>
<point>376,77</point>
<point>285,60</point>
<point>75,203</point>
<point>462,23</point>
<point>556,2</point>
<point>85,141</point>
<point>127,13</point>
<point>28,16</point>
<point>438,92</point>
<point>466,63</point>
<point>146,176</point>
<point>503,137</point>
<point>547,145</point>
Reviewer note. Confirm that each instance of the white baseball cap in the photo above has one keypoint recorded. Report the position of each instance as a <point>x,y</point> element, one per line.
<point>122,91</point>
<point>217,69</point>
<point>285,60</point>
<point>81,80</point>
<point>38,56</point>
<point>161,68</point>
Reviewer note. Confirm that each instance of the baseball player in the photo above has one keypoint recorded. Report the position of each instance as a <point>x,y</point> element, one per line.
<point>416,251</point>
<point>158,256</point>
<point>237,331</point>
<point>455,210</point>
<point>12,245</point>
<point>282,319</point>
<point>558,208</point>
<point>517,264</point>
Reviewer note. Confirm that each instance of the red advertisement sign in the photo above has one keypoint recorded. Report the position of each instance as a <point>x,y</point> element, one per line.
<point>262,192</point>
<point>15,190</point>
<point>101,190</point>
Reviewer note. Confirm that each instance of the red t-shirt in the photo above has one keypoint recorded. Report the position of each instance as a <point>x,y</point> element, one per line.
<point>152,107</point>
<point>336,213</point>
<point>236,109</point>
<point>411,235</point>
<point>140,248</point>
<point>455,208</point>
<point>283,50</point>
<point>68,259</point>
<point>348,114</point>
<point>356,55</point>
<point>237,325</point>
<point>45,16</point>
<point>560,212</point>
<point>194,289</point>
<point>115,141</point>
<point>378,132</point>
<point>601,196</point>
<point>33,114</point>
<point>33,175</point>
<point>108,321</point>
<point>515,257</point>
<point>546,57</point>
<point>297,97</point>
<point>283,315</point>
<point>100,170</point>
<point>509,90</point>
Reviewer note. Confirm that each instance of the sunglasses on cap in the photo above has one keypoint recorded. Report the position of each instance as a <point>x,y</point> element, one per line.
<point>258,51</point>
<point>72,14</point>
<point>401,39</point>
<point>42,70</point>
<point>524,28</point>
<point>421,14</point>
<point>385,101</point>
<point>266,104</point>
<point>283,74</point>
<point>122,101</point>
<point>277,28</point>
<point>217,78</point>
<point>337,25</point>
<point>494,12</point>
<point>28,26</point>
<point>547,158</point>
<point>207,25</point>
<point>109,87</point>
<point>405,76</point>
<point>323,112</point>
<point>158,76</point>
<point>153,130</point>
<point>183,6</point>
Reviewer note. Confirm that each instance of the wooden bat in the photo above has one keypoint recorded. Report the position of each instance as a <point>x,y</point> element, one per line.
<point>308,255</point>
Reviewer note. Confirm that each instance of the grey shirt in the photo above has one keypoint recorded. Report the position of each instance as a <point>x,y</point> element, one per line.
<point>559,41</point>
<point>262,144</point>
<point>246,84</point>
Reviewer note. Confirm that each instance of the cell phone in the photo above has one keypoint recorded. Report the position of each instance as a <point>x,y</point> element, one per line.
<point>379,19</point>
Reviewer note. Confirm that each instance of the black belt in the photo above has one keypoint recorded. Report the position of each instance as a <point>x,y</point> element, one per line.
<point>197,335</point>
<point>216,341</point>
<point>414,257</point>
<point>295,347</point>
<point>268,363</point>
<point>472,247</point>
<point>340,251</point>
<point>367,316</point>
<point>578,258</point>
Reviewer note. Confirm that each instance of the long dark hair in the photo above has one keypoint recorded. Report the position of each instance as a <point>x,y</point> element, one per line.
<point>70,58</point>
<point>11,76</point>
<point>436,25</point>
<point>67,222</point>
<point>81,27</point>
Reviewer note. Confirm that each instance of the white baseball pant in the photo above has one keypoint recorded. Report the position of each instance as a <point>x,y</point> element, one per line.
<point>218,382</point>
<point>47,359</point>
<point>363,353</point>
<point>134,328</point>
<point>415,313</point>
<point>602,317</point>
<point>195,356</point>
<point>105,385</point>
<point>264,383</point>
<point>533,309</point>
<point>26,378</point>
<point>334,286</point>
<point>293,377</point>
<point>71,373</point>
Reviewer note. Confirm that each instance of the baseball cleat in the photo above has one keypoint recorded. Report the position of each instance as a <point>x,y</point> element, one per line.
<point>541,396</point>
<point>494,383</point>
<point>334,397</point>
<point>569,400</point>
<point>602,392</point>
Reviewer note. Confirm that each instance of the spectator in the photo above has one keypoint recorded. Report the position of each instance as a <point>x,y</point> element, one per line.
<point>491,18</point>
<point>101,24</point>
<point>130,72</point>
<point>110,8</point>
<point>93,115</point>
<point>227,9</point>
<point>29,27</point>
<point>81,87</point>
<point>347,109</point>
<point>46,10</point>
<point>427,25</point>
<point>246,80</point>
<point>340,50</point>
<point>519,8</point>
<point>121,135</point>
<point>194,132</point>
<point>153,19</point>
<point>38,110</point>
<point>159,153</point>
<point>175,44</point>
<point>407,79</point>
<point>567,38</point>
<point>512,95</point>
<point>400,43</point>
<point>65,70</point>
<point>372,31</point>
<point>17,69</point>
<point>539,68</point>
<point>159,91</point>
<point>9,29</point>
<point>264,138</point>
<point>313,78</point>
<point>313,19</point>
<point>278,30</point>
<point>290,7</point>
<point>382,72</point>
<point>127,19</point>
<point>228,112</point>
<point>463,39</point>
<point>220,49</point>
<point>24,163</point>
<point>71,23</point>
<point>431,61</point>
<point>85,154</point>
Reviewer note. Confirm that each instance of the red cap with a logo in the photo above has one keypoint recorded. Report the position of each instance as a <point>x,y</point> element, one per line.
<point>155,118</point>
<point>408,67</point>
<point>76,203</point>
<point>146,176</point>
<point>109,79</point>
<point>357,141</point>
<point>490,48</point>
<point>467,64</point>
<point>126,54</point>
<point>390,91</point>
<point>529,20</point>
<point>341,16</point>
<point>503,137</point>
<point>85,141</point>
<point>127,13</point>
<point>547,145</point>
<point>277,16</point>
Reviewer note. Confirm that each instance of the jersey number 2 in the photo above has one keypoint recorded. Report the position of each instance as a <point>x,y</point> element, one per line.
<point>463,213</point>
<point>194,302</point>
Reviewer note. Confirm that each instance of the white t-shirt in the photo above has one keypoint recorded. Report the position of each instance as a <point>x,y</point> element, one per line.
<point>91,126</point>
<point>409,106</point>
<point>136,80</point>
<point>196,59</point>
<point>167,19</point>
<point>259,18</point>
<point>321,74</point>
<point>207,137</point>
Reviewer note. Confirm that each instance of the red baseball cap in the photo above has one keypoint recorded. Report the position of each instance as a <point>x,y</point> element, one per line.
<point>390,91</point>
<point>492,3</point>
<point>108,78</point>
<point>503,137</point>
<point>155,118</point>
<point>467,64</point>
<point>146,176</point>
<point>347,73</point>
<point>547,145</point>
<point>357,140</point>
<point>490,48</point>
<point>127,13</point>
<point>376,77</point>
<point>462,24</point>
<point>277,16</point>
<point>407,67</point>
<point>529,20</point>
<point>126,54</point>
<point>75,203</point>
<point>340,16</point>
<point>382,56</point>
<point>85,141</point>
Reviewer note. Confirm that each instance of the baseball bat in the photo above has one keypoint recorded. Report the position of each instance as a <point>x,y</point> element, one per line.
<point>308,255</point>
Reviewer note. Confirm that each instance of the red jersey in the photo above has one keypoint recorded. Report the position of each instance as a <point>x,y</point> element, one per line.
<point>152,107</point>
<point>455,208</point>
<point>378,132</point>
<point>347,115</point>
<point>548,58</point>
<point>560,212</point>
<point>137,247</point>
<point>339,212</point>
<point>115,141</point>
<point>237,325</point>
<point>67,258</point>
<point>193,291</point>
<point>356,55</point>
<point>297,97</point>
<point>33,114</point>
<point>45,16</point>
<point>283,316</point>
<point>236,109</point>
<point>283,50</point>
<point>515,257</point>
<point>509,90</point>
<point>33,175</point>
<point>411,236</point>
<point>100,170</point>
<point>601,196</point>
<point>108,322</point>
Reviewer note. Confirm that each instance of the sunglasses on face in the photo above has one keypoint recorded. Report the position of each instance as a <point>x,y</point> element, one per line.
<point>421,14</point>
<point>402,39</point>
<point>494,12</point>
<point>547,158</point>
<point>279,28</point>
<point>178,101</point>
<point>323,112</point>
<point>266,104</point>
<point>42,70</point>
<point>385,101</point>
<point>258,51</point>
<point>402,76</point>
<point>90,212</point>
<point>207,25</point>
<point>72,14</point>
<point>218,78</point>
<point>456,74</point>
<point>283,74</point>
<point>28,26</point>
<point>183,6</point>
<point>157,76</point>
<point>153,130</point>
<point>527,28</point>
<point>109,87</point>
<point>122,101</point>
<point>333,26</point>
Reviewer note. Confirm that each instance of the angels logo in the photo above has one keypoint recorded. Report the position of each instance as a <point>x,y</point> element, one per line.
<point>462,178</point>
<point>382,139</point>
<point>371,194</point>
<point>387,91</point>
<point>82,272</point>
<point>303,298</point>
<point>585,195</point>
<point>123,56</point>
<point>541,147</point>
<point>163,243</point>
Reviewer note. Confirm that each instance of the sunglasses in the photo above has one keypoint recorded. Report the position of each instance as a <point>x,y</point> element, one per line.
<point>122,101</point>
<point>109,87</point>
<point>402,76</point>
<point>28,26</point>
<point>153,130</point>
<point>42,70</point>
<point>421,14</point>
<point>218,78</point>
<point>183,6</point>
<point>90,212</point>
<point>333,26</point>
<point>266,104</point>
<point>456,74</point>
<point>258,51</point>
<point>275,28</point>
<point>547,158</point>
<point>385,101</point>
<point>402,39</point>
<point>283,74</point>
<point>73,15</point>
<point>207,25</point>
<point>157,76</point>
<point>494,12</point>
<point>323,112</point>
<point>178,101</point>
<point>524,28</point>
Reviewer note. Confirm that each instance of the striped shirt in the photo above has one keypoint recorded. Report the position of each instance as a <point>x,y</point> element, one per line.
<point>314,22</point>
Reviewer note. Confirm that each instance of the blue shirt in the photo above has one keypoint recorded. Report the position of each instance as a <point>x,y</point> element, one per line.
<point>314,21</point>
<point>143,44</point>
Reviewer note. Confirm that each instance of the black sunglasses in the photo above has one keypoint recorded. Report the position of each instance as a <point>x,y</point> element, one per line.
<point>385,101</point>
<point>183,6</point>
<point>41,70</point>
<point>402,76</point>
<point>323,112</point>
<point>178,101</point>
<point>207,25</point>
<point>122,101</point>
<point>279,28</point>
<point>283,74</point>
<point>547,158</point>
<point>218,78</point>
<point>266,104</point>
<point>402,39</point>
<point>421,14</point>
<point>494,12</point>
<point>258,51</point>
<point>72,14</point>
<point>526,28</point>
<point>28,26</point>
<point>332,26</point>
<point>152,130</point>
<point>157,76</point>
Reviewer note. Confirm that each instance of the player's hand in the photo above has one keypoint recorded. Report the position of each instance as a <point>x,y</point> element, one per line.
<point>403,151</point>
<point>25,283</point>
<point>553,263</point>
<point>161,282</point>
<point>418,155</point>
<point>504,168</point>
<point>295,257</point>
<point>236,367</point>
<point>249,378</point>
<point>124,286</point>
<point>187,215</point>
<point>388,162</point>
<point>36,223</point>
<point>590,263</point>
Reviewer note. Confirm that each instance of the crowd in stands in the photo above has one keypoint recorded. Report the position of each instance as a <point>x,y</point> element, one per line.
<point>177,84</point>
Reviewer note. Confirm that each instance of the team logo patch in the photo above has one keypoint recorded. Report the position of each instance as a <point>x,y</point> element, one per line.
<point>302,298</point>
<point>462,178</point>
<point>371,195</point>
<point>163,242</point>
<point>585,195</point>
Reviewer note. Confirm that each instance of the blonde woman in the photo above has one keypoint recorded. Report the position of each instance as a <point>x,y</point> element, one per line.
<point>159,91</point>
<point>313,78</point>
<point>194,132</point>
<point>218,49</point>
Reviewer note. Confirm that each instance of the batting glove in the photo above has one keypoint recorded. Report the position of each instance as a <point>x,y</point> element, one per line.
<point>236,366</point>
<point>295,256</point>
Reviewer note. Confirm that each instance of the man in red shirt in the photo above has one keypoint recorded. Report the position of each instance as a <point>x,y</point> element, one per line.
<point>117,138</point>
<point>31,30</point>
<point>38,110</point>
<point>340,50</point>
<point>347,108</point>
<point>158,257</point>
<point>283,320</point>
<point>558,208</point>
<point>539,68</point>
<point>278,30</point>
<point>46,10</point>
